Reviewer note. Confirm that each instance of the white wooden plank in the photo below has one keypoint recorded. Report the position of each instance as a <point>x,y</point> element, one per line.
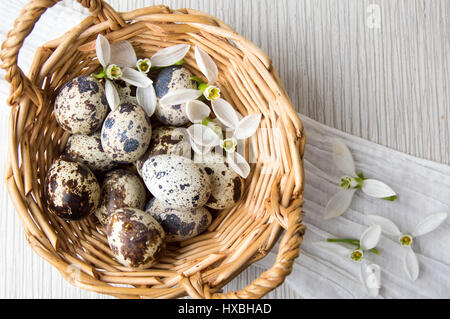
<point>389,85</point>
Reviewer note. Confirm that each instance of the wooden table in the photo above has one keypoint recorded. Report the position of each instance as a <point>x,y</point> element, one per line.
<point>377,69</point>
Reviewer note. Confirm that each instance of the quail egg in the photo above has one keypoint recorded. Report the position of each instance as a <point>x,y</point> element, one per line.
<point>177,181</point>
<point>166,140</point>
<point>168,80</point>
<point>71,190</point>
<point>179,225</point>
<point>226,185</point>
<point>126,91</point>
<point>120,188</point>
<point>135,238</point>
<point>81,105</point>
<point>88,150</point>
<point>126,133</point>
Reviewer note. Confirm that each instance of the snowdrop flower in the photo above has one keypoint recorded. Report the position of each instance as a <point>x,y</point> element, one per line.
<point>430,223</point>
<point>351,182</point>
<point>211,92</point>
<point>198,113</point>
<point>206,134</point>
<point>209,69</point>
<point>119,60</point>
<point>370,274</point>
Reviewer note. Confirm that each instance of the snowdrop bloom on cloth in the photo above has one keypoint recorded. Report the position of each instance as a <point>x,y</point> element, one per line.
<point>119,60</point>
<point>430,223</point>
<point>370,274</point>
<point>205,134</point>
<point>351,182</point>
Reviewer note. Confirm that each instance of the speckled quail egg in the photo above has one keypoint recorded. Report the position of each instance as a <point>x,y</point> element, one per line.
<point>126,133</point>
<point>126,91</point>
<point>81,105</point>
<point>120,188</point>
<point>168,80</point>
<point>226,185</point>
<point>166,140</point>
<point>88,150</point>
<point>71,190</point>
<point>178,224</point>
<point>177,181</point>
<point>136,239</point>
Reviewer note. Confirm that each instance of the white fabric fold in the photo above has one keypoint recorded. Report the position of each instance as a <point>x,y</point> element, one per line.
<point>422,187</point>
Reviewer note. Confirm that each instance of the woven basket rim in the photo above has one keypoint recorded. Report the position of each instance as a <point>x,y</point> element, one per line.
<point>30,153</point>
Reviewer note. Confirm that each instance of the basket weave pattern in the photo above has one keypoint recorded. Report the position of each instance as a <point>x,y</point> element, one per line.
<point>198,267</point>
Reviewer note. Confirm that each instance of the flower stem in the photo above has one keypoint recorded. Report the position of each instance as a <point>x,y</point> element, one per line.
<point>351,241</point>
<point>100,75</point>
<point>156,68</point>
<point>390,198</point>
<point>202,87</point>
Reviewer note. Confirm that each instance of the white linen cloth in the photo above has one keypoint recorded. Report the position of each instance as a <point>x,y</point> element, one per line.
<point>423,188</point>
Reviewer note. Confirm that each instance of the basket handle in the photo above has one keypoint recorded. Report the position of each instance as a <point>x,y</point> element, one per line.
<point>268,280</point>
<point>273,277</point>
<point>23,25</point>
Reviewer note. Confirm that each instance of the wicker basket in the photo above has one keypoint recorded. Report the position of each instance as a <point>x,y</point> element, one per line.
<point>198,267</point>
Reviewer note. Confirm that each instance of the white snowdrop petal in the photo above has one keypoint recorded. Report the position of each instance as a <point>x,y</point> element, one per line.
<point>197,111</point>
<point>377,189</point>
<point>221,125</point>
<point>342,157</point>
<point>170,55</point>
<point>103,50</point>
<point>370,237</point>
<point>206,65</point>
<point>225,113</point>
<point>339,203</point>
<point>122,54</point>
<point>135,77</point>
<point>201,150</point>
<point>180,96</point>
<point>334,248</point>
<point>247,126</point>
<point>112,96</point>
<point>203,135</point>
<point>387,225</point>
<point>146,98</point>
<point>238,163</point>
<point>411,264</point>
<point>371,278</point>
<point>429,224</point>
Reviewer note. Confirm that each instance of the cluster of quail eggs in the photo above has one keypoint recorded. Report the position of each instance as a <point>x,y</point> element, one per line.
<point>135,173</point>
